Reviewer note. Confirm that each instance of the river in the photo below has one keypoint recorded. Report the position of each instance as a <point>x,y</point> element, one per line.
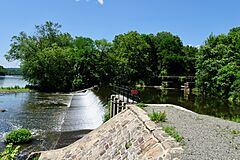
<point>43,113</point>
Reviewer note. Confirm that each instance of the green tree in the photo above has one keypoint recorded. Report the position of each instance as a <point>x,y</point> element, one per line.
<point>44,57</point>
<point>169,53</point>
<point>2,70</point>
<point>218,64</point>
<point>131,52</point>
<point>189,60</point>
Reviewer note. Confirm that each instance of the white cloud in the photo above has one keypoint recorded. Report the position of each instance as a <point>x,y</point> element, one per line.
<point>101,2</point>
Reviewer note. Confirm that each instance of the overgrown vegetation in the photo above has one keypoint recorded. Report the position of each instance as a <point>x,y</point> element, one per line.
<point>158,116</point>
<point>173,133</point>
<point>18,136</point>
<point>9,152</point>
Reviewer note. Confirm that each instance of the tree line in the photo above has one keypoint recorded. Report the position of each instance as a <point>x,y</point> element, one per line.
<point>56,61</point>
<point>9,71</point>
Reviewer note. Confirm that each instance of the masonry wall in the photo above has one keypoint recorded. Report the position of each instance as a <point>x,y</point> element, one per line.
<point>129,135</point>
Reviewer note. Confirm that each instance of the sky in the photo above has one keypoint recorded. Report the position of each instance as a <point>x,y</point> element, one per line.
<point>192,20</point>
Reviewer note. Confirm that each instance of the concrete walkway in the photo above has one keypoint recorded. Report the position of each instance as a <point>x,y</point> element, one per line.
<point>205,137</point>
<point>129,135</point>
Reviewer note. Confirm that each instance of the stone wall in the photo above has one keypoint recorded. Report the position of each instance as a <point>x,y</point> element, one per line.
<point>129,135</point>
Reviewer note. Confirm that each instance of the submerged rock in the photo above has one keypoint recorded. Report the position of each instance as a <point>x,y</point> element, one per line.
<point>3,110</point>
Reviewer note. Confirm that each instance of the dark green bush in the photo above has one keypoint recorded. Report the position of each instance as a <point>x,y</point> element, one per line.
<point>18,136</point>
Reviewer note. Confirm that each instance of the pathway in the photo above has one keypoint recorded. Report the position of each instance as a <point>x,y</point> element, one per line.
<point>205,137</point>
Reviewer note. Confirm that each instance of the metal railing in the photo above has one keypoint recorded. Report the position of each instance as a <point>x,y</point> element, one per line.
<point>122,96</point>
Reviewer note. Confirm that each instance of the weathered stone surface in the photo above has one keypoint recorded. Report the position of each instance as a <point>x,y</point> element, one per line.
<point>128,135</point>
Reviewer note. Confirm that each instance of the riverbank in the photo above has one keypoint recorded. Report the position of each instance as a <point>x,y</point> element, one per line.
<point>205,137</point>
<point>6,90</point>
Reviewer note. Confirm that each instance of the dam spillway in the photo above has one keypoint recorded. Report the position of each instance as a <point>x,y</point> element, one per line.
<point>84,113</point>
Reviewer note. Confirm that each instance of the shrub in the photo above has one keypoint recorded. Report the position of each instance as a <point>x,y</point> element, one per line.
<point>158,116</point>
<point>106,115</point>
<point>173,133</point>
<point>18,136</point>
<point>9,152</point>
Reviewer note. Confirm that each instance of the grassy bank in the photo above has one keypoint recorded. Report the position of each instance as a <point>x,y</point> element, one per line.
<point>15,89</point>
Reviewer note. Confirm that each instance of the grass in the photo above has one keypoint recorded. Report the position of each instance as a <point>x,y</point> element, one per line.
<point>141,105</point>
<point>234,118</point>
<point>173,133</point>
<point>128,145</point>
<point>158,116</point>
<point>235,131</point>
<point>14,89</point>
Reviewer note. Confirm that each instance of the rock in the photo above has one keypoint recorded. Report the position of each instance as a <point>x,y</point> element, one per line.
<point>3,110</point>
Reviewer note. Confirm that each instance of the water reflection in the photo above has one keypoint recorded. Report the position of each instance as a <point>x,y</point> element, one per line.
<point>197,103</point>
<point>11,81</point>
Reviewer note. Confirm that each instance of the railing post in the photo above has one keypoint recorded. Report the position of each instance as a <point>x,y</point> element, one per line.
<point>112,106</point>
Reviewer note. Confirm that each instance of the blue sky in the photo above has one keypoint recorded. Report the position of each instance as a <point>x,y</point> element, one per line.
<point>191,20</point>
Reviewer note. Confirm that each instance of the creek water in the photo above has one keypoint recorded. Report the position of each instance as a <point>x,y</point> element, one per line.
<point>11,81</point>
<point>50,116</point>
<point>44,113</point>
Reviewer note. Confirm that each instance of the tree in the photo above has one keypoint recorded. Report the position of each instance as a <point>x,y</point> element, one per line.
<point>2,70</point>
<point>169,53</point>
<point>131,52</point>
<point>218,64</point>
<point>44,57</point>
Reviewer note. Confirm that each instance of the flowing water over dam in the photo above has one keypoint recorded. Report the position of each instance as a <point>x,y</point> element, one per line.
<point>56,119</point>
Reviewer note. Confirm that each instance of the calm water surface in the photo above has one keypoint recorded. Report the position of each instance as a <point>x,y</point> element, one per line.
<point>11,81</point>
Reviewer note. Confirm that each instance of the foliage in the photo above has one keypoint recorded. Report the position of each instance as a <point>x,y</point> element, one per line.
<point>158,116</point>
<point>141,105</point>
<point>106,115</point>
<point>13,71</point>
<point>2,70</point>
<point>34,156</point>
<point>218,64</point>
<point>54,61</point>
<point>18,136</point>
<point>14,89</point>
<point>9,152</point>
<point>235,131</point>
<point>173,133</point>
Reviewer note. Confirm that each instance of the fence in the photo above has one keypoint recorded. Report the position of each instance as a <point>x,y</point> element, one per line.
<point>122,96</point>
